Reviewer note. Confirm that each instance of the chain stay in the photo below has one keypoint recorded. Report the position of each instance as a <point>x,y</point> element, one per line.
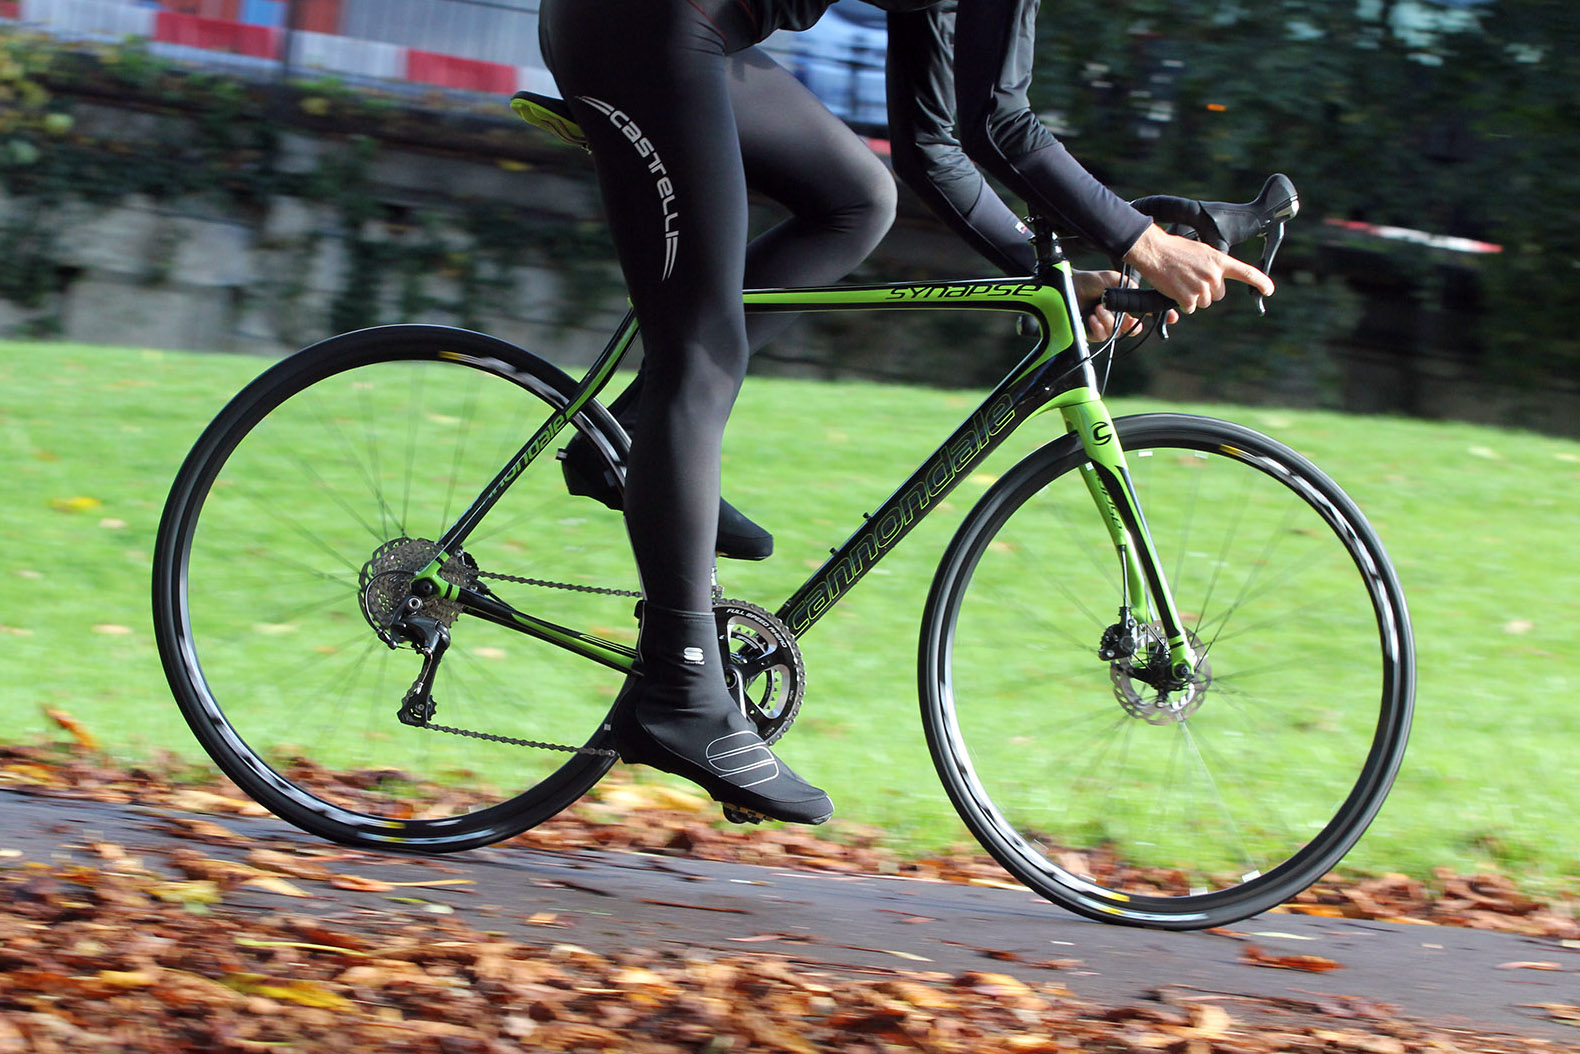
<point>532,743</point>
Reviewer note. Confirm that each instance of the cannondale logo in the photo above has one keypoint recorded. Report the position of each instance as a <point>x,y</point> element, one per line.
<point>743,754</point>
<point>655,164</point>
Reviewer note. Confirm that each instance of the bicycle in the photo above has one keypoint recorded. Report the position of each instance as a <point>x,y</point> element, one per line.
<point>1175,718</point>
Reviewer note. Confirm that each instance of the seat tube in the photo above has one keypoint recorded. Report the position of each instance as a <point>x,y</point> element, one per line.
<point>1107,478</point>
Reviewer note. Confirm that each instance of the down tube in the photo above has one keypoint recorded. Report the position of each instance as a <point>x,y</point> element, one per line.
<point>940,473</point>
<point>1010,404</point>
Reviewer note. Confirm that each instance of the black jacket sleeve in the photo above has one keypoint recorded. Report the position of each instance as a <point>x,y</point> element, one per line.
<point>984,48</point>
<point>926,154</point>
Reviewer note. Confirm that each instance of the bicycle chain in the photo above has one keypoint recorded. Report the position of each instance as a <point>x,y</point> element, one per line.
<point>573,587</point>
<point>535,744</point>
<point>512,741</point>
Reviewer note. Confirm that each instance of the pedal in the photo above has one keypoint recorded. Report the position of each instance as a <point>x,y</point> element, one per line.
<point>739,814</point>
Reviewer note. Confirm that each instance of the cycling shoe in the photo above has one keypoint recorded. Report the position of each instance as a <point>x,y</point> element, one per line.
<point>678,717</point>
<point>586,475</point>
<point>714,745</point>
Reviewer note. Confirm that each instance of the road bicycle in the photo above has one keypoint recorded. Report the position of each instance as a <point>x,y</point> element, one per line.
<point>1166,669</point>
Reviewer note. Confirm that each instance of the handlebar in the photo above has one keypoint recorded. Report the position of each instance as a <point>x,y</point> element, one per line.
<point>1220,224</point>
<point>1137,301</point>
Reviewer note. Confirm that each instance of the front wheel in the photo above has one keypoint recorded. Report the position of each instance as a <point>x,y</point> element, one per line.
<point>290,539</point>
<point>1096,782</point>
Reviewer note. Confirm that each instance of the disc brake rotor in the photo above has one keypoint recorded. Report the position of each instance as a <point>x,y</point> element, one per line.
<point>1154,705</point>
<point>762,665</point>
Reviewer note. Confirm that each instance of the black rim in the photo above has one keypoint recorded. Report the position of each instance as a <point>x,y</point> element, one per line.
<point>1018,852</point>
<point>180,652</point>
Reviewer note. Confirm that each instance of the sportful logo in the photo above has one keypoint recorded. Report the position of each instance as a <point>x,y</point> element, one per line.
<point>742,754</point>
<point>666,189</point>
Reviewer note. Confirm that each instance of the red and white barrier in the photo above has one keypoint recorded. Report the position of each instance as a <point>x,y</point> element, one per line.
<point>448,71</point>
<point>89,17</point>
<point>1405,234</point>
<point>326,52</point>
<point>217,34</point>
<point>348,56</point>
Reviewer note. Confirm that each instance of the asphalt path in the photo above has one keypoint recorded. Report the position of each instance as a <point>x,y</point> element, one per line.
<point>614,902</point>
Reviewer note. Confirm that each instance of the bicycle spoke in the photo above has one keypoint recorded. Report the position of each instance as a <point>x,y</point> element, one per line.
<point>1256,565</point>
<point>460,455</point>
<point>370,480</point>
<point>1179,796</point>
<point>298,485</point>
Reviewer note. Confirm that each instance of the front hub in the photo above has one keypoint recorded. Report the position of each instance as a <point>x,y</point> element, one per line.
<point>1145,682</point>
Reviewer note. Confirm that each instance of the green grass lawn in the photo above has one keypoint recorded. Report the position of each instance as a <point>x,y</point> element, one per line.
<point>1480,523</point>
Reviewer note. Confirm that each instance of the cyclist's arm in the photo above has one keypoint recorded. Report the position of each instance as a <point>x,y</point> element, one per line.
<point>993,53</point>
<point>926,154</point>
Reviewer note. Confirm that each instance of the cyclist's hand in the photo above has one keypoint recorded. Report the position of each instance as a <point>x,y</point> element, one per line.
<point>1100,321</point>
<point>1190,273</point>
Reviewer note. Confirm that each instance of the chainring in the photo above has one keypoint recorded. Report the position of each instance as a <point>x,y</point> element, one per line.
<point>762,665</point>
<point>385,582</point>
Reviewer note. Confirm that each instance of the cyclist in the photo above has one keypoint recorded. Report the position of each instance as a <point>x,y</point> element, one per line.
<point>682,112</point>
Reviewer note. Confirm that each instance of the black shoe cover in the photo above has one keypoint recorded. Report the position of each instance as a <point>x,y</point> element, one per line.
<point>679,718</point>
<point>586,475</point>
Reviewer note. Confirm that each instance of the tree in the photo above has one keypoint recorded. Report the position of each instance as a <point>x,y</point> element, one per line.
<point>1452,116</point>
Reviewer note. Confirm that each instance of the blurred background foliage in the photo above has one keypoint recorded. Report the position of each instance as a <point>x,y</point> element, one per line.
<point>1454,117</point>
<point>1450,117</point>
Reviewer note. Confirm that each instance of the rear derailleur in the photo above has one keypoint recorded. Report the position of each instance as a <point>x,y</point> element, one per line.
<point>430,637</point>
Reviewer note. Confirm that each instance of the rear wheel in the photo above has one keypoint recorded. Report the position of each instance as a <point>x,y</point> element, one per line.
<point>289,537</point>
<point>1098,784</point>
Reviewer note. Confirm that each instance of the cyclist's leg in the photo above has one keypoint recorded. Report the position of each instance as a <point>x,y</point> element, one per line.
<point>841,201</point>
<point>654,100</point>
<point>841,198</point>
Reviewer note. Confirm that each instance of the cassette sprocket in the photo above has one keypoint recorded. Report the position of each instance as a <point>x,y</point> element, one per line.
<point>386,582</point>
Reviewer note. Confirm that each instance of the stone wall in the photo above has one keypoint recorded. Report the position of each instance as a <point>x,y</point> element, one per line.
<point>192,274</point>
<point>195,274</point>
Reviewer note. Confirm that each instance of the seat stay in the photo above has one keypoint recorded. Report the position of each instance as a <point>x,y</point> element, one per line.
<point>591,384</point>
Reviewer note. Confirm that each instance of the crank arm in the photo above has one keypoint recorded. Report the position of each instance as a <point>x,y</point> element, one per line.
<point>753,668</point>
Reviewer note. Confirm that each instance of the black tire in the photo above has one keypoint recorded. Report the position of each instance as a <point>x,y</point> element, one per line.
<point>343,448</point>
<point>1094,790</point>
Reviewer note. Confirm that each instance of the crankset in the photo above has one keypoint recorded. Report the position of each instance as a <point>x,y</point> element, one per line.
<point>763,668</point>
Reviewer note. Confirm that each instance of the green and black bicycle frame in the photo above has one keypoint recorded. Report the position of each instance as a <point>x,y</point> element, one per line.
<point>1057,374</point>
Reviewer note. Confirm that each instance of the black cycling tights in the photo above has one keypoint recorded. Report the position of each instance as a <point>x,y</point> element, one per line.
<point>682,113</point>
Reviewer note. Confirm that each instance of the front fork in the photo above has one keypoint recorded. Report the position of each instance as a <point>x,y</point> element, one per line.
<point>1107,476</point>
